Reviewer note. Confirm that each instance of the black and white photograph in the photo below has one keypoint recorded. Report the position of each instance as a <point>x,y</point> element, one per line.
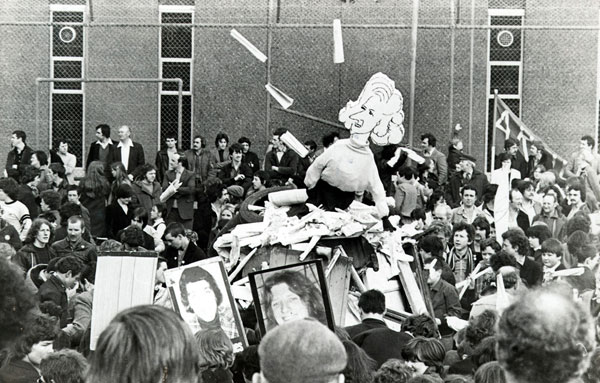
<point>202,296</point>
<point>289,293</point>
<point>439,157</point>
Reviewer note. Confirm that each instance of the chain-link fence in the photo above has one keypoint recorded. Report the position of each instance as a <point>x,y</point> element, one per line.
<point>542,56</point>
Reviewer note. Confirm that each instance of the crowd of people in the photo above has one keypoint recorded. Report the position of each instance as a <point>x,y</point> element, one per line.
<point>511,263</point>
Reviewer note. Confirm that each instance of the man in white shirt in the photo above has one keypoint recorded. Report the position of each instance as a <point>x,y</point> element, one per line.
<point>130,153</point>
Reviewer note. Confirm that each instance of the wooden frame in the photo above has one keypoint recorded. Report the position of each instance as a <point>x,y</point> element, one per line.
<point>291,292</point>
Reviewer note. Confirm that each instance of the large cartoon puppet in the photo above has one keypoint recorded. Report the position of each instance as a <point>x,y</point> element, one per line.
<point>348,166</point>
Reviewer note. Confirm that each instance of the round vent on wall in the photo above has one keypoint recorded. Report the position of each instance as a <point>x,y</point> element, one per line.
<point>67,34</point>
<point>505,38</point>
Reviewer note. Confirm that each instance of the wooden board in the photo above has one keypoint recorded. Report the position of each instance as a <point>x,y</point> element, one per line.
<point>123,280</point>
<point>338,284</point>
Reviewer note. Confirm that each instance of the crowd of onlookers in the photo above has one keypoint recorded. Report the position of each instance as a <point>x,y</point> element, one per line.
<point>510,258</point>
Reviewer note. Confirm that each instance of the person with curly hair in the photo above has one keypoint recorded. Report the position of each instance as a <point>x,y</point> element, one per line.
<point>393,371</point>
<point>36,249</point>
<point>216,356</point>
<point>64,366</point>
<point>348,166</point>
<point>32,346</point>
<point>289,295</point>
<point>420,325</point>
<point>146,188</point>
<point>545,337</point>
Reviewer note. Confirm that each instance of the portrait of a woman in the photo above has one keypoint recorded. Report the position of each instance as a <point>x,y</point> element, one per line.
<point>290,295</point>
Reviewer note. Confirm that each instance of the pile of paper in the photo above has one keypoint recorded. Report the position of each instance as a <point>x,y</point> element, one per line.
<point>278,228</point>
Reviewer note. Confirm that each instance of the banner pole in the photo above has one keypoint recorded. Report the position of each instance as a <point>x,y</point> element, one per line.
<point>494,130</point>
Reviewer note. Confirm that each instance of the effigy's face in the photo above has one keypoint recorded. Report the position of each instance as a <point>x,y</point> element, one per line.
<point>364,116</point>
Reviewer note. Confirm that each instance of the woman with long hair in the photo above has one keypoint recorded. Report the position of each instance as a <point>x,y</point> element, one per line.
<point>290,295</point>
<point>37,245</point>
<point>94,190</point>
<point>118,176</point>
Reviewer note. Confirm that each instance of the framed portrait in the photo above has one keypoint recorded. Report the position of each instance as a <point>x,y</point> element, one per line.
<point>291,292</point>
<point>201,294</point>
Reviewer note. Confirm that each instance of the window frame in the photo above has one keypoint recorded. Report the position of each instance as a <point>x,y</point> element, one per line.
<point>161,61</point>
<point>78,8</point>
<point>500,12</point>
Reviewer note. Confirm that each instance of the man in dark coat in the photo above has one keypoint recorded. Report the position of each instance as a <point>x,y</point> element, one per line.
<point>103,149</point>
<point>372,334</point>
<point>119,213</point>
<point>511,146</point>
<point>166,156</point>
<point>180,250</point>
<point>130,153</point>
<point>468,175</point>
<point>20,154</point>
<point>281,162</point>
<point>67,271</point>
<point>250,158</point>
<point>372,309</point>
<point>180,205</point>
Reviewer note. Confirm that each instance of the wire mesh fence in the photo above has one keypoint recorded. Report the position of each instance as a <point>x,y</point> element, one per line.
<point>542,57</point>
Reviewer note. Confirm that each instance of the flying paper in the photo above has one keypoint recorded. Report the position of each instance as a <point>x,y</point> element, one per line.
<point>283,99</point>
<point>338,44</point>
<point>293,143</point>
<point>248,45</point>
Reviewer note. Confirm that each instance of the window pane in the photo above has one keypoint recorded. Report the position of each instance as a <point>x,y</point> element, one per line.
<point>176,70</point>
<point>505,44</point>
<point>176,42</point>
<point>67,114</point>
<point>168,118</point>
<point>67,41</point>
<point>67,17</point>
<point>67,69</point>
<point>505,79</point>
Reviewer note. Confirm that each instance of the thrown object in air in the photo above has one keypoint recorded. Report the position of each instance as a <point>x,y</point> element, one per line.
<point>338,43</point>
<point>283,99</point>
<point>248,45</point>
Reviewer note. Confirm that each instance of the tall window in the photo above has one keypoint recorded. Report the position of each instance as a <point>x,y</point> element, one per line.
<point>176,61</point>
<point>505,64</point>
<point>67,98</point>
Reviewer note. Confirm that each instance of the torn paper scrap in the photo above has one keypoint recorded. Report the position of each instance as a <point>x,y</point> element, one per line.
<point>338,44</point>
<point>293,143</point>
<point>248,45</point>
<point>283,99</point>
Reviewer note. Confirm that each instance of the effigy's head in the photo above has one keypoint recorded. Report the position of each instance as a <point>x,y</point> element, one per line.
<point>378,111</point>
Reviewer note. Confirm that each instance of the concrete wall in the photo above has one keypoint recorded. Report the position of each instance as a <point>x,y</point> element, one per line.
<point>559,68</point>
<point>560,71</point>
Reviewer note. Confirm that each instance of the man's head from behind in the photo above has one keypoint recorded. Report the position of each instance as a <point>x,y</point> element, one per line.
<point>301,351</point>
<point>545,337</point>
<point>66,366</point>
<point>372,303</point>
